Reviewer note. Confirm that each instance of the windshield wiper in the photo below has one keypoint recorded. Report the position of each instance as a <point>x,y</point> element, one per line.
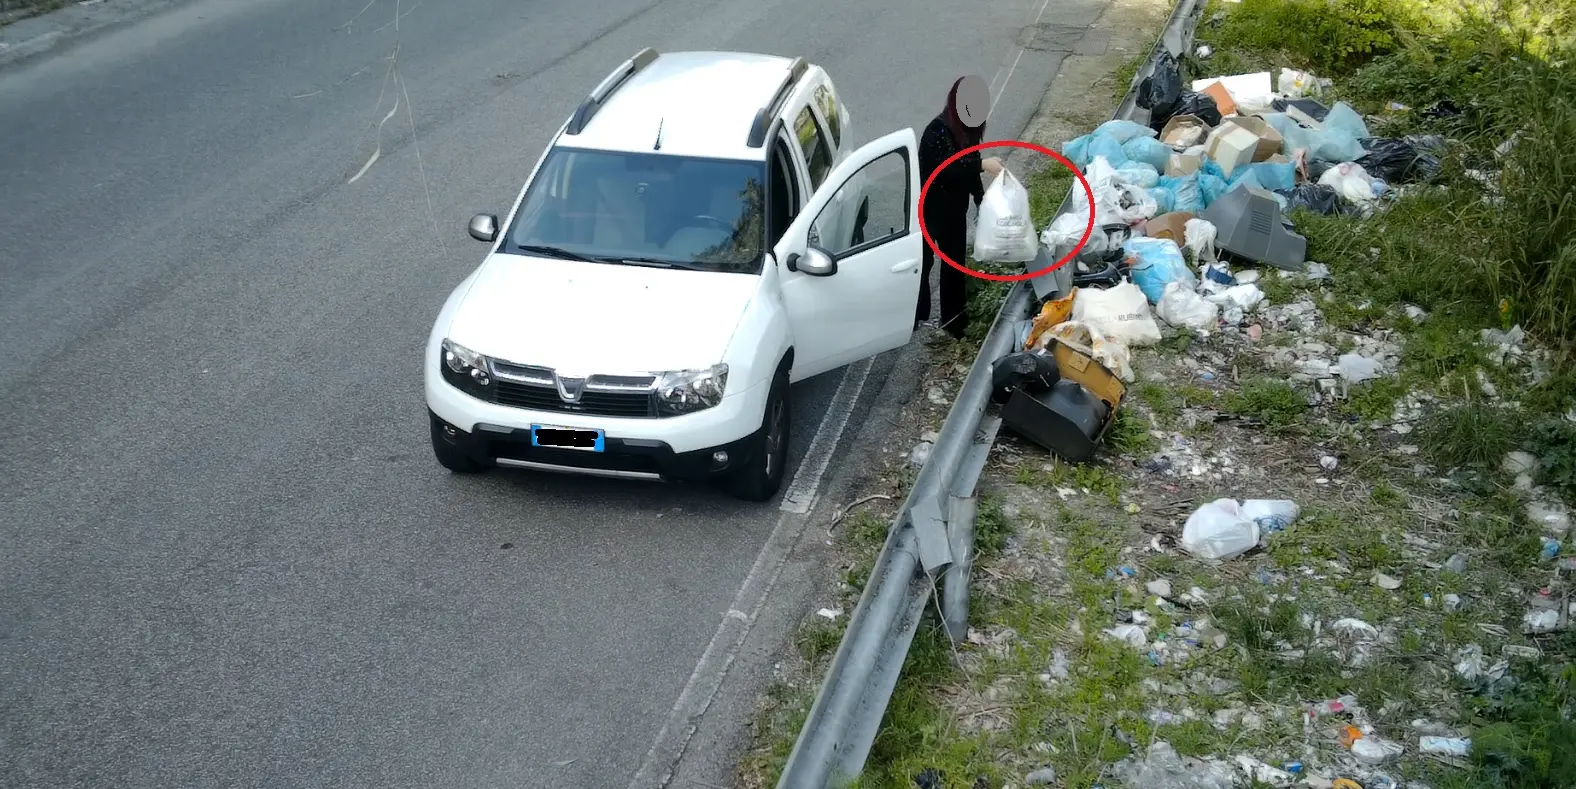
<point>559,252</point>
<point>640,261</point>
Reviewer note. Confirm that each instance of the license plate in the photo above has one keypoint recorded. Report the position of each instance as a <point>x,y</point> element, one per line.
<point>567,438</point>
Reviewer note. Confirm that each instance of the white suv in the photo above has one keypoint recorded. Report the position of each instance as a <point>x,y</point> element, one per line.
<point>695,238</point>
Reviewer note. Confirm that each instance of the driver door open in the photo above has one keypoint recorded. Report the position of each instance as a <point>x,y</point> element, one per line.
<point>862,303</point>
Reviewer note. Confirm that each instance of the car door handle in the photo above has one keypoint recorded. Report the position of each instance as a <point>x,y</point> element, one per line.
<point>904,268</point>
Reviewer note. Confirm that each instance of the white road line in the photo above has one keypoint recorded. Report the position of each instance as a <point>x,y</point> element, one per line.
<point>1014,66</point>
<point>807,480</point>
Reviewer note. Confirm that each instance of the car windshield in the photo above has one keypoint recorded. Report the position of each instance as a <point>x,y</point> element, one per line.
<point>647,209</point>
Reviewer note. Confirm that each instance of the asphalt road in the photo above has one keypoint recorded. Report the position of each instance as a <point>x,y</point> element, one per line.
<point>228,556</point>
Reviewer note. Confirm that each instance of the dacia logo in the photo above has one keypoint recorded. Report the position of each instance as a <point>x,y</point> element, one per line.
<point>570,389</point>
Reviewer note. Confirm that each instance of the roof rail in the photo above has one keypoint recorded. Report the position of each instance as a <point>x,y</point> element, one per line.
<point>763,116</point>
<point>589,107</point>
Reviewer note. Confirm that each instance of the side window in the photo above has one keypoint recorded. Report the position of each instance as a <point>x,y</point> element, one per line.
<point>817,156</point>
<point>826,102</point>
<point>783,201</point>
<point>869,209</point>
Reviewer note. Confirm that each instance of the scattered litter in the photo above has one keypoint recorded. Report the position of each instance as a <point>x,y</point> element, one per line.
<point>1353,183</point>
<point>1203,52</point>
<point>1120,313</point>
<point>1551,549</point>
<point>1356,368</point>
<point>1329,462</point>
<point>1271,515</point>
<point>1182,307</point>
<point>1386,582</point>
<point>1159,587</point>
<point>830,613</point>
<point>920,454</point>
<point>1553,516</point>
<point>1260,772</point>
<point>1041,777</point>
<point>1376,750</point>
<point>1133,635</point>
<point>1163,768</point>
<point>1445,746</point>
<point>1356,629</point>
<point>1541,621</point>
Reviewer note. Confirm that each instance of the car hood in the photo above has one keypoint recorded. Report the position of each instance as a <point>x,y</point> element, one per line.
<point>587,318</point>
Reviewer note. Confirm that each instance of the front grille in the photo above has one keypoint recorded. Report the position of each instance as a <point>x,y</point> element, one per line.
<point>545,398</point>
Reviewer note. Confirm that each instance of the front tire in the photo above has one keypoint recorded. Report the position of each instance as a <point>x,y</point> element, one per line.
<point>449,453</point>
<point>763,476</point>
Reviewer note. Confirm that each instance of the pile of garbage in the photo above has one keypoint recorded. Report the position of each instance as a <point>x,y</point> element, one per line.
<point>1174,205</point>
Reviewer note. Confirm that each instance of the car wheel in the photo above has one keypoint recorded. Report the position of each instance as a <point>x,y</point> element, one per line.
<point>763,476</point>
<point>449,453</point>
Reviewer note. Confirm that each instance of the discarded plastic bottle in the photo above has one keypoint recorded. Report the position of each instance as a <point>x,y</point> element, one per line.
<point>1551,549</point>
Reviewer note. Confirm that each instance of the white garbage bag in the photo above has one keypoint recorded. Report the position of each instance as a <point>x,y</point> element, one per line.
<point>1183,308</point>
<point>1199,237</point>
<point>1219,530</point>
<point>1004,231</point>
<point>1121,313</point>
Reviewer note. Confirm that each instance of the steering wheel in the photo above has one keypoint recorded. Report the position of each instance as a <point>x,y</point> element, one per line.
<point>726,227</point>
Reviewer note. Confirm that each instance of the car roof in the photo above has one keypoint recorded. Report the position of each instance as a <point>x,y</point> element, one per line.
<point>704,104</point>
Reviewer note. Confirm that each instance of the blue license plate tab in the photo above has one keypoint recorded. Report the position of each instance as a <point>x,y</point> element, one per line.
<point>568,438</point>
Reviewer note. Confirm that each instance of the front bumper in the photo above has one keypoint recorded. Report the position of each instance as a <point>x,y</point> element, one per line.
<point>622,457</point>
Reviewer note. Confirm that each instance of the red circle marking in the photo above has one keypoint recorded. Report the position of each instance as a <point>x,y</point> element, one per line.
<point>1084,182</point>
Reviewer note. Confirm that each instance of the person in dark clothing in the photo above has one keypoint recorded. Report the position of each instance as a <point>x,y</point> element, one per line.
<point>959,126</point>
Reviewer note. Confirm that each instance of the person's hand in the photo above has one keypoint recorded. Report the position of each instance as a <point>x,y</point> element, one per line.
<point>992,165</point>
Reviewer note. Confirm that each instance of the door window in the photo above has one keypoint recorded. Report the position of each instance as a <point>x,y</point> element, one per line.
<point>817,156</point>
<point>868,210</point>
<point>826,102</point>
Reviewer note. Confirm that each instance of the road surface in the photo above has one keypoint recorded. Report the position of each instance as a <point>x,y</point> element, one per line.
<point>228,556</point>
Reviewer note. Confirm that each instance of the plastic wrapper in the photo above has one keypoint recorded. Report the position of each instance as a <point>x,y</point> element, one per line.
<point>1082,151</point>
<point>1198,235</point>
<point>1155,262</point>
<point>1219,530</point>
<point>1401,160</point>
<point>1185,309</point>
<point>1004,230</point>
<point>1121,313</point>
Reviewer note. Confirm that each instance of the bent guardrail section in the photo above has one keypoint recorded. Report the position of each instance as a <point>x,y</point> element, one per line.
<point>932,531</point>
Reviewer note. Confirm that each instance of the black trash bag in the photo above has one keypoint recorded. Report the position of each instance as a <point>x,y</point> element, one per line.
<point>1442,109</point>
<point>1309,107</point>
<point>1199,105</point>
<point>1316,168</point>
<point>1033,372</point>
<point>1318,198</point>
<point>1401,160</point>
<point>1160,91</point>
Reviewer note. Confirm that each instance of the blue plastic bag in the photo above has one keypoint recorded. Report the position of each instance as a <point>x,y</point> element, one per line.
<point>1337,142</point>
<point>1155,263</point>
<point>1139,174</point>
<point>1273,176</point>
<point>1185,193</point>
<point>1165,200</point>
<point>1125,131</point>
<point>1148,150</point>
<point>1210,188</point>
<point>1082,150</point>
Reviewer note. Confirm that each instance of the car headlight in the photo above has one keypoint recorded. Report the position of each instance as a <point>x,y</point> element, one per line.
<point>464,368</point>
<point>688,391</point>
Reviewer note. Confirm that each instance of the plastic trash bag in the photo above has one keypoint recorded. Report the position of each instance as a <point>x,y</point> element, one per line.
<point>1272,515</point>
<point>1271,176</point>
<point>1125,131</point>
<point>1199,105</point>
<point>1154,262</point>
<point>1407,159</point>
<point>1089,341</point>
<point>1343,119</point>
<point>1161,90</point>
<point>1352,182</point>
<point>1004,230</point>
<point>1334,143</point>
<point>1147,150</point>
<point>1116,200</point>
<point>1139,174</point>
<point>1356,368</point>
<point>1199,237</point>
<point>1219,530</point>
<point>1082,151</point>
<point>1243,297</point>
<point>1184,309</point>
<point>1031,372</point>
<point>1165,200</point>
<point>1121,313</point>
<point>1318,198</point>
<point>1210,188</point>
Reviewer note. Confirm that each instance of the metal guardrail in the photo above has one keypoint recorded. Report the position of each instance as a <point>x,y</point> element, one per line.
<point>933,530</point>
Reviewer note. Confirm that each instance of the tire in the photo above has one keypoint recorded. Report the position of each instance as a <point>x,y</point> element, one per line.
<point>763,476</point>
<point>449,455</point>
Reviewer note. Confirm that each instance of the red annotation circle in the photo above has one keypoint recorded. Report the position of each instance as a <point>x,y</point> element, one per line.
<point>1088,192</point>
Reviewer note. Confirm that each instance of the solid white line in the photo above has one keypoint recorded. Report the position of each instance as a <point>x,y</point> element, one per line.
<point>807,480</point>
<point>1014,66</point>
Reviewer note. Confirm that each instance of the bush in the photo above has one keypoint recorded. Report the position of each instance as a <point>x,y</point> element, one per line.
<point>1331,37</point>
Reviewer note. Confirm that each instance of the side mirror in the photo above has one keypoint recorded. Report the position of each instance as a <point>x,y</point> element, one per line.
<point>484,227</point>
<point>813,262</point>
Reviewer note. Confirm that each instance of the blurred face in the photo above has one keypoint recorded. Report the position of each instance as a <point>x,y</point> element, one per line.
<point>973,101</point>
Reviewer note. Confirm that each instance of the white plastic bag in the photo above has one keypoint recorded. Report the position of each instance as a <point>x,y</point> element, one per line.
<point>1199,237</point>
<point>1115,200</point>
<point>1181,307</point>
<point>1121,313</point>
<point>1004,231</point>
<point>1219,530</point>
<point>1243,297</point>
<point>1272,515</point>
<point>1352,182</point>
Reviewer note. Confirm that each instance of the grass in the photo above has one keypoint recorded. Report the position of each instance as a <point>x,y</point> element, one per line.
<point>15,10</point>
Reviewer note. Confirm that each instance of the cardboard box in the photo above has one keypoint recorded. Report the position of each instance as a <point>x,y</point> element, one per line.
<point>1183,131</point>
<point>1232,146</point>
<point>1222,97</point>
<point>1269,140</point>
<point>1168,226</point>
<point>1180,164</point>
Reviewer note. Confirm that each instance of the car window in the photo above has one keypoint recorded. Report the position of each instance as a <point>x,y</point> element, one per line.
<point>826,102</point>
<point>699,213</point>
<point>871,207</point>
<point>817,156</point>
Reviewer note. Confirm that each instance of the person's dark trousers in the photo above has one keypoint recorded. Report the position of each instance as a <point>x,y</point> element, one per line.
<point>952,237</point>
